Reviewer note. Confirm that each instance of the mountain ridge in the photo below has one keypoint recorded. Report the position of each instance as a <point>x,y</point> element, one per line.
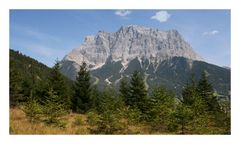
<point>164,57</point>
<point>130,42</point>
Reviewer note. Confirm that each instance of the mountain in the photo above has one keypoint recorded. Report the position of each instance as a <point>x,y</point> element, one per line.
<point>28,67</point>
<point>164,57</point>
<point>22,63</point>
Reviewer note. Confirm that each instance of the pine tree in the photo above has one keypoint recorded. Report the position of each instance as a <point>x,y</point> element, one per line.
<point>109,114</point>
<point>192,100</point>
<point>82,96</point>
<point>206,92</point>
<point>138,92</point>
<point>162,105</point>
<point>182,117</point>
<point>53,107</point>
<point>124,90</point>
<point>107,100</point>
<point>192,97</point>
<point>15,86</point>
<point>32,109</point>
<point>189,93</point>
<point>58,84</point>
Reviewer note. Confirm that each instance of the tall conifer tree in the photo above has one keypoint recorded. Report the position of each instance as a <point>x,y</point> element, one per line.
<point>15,85</point>
<point>82,96</point>
<point>206,92</point>
<point>58,85</point>
<point>53,107</point>
<point>138,92</point>
<point>124,90</point>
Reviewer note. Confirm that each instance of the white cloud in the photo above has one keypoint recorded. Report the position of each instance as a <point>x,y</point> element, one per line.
<point>161,16</point>
<point>122,13</point>
<point>210,33</point>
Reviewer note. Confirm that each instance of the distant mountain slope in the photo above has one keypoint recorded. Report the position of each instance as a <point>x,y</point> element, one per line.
<point>22,64</point>
<point>164,57</point>
<point>27,66</point>
<point>173,73</point>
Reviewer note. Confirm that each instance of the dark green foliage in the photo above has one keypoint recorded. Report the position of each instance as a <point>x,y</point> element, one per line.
<point>27,74</point>
<point>32,109</point>
<point>15,86</point>
<point>94,97</point>
<point>83,93</point>
<point>110,68</point>
<point>93,119</point>
<point>22,63</point>
<point>133,66</point>
<point>131,115</point>
<point>53,107</point>
<point>109,124</point>
<point>171,73</point>
<point>109,119</point>
<point>206,113</point>
<point>46,94</point>
<point>162,105</point>
<point>224,117</point>
<point>138,92</point>
<point>58,85</point>
<point>124,89</point>
<point>193,99</point>
<point>206,92</point>
<point>107,101</point>
<point>189,93</point>
<point>33,80</point>
<point>182,117</point>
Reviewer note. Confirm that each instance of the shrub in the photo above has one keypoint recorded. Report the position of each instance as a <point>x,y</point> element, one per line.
<point>78,121</point>
<point>32,109</point>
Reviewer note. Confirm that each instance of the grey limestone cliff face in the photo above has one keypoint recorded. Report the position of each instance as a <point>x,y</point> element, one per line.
<point>163,57</point>
<point>128,43</point>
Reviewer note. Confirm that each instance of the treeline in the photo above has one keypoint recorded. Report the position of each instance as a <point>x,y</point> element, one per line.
<point>114,111</point>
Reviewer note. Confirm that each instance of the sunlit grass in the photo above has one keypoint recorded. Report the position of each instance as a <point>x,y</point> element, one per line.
<point>19,124</point>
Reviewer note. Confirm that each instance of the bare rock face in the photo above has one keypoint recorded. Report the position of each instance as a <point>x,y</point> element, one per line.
<point>163,57</point>
<point>128,43</point>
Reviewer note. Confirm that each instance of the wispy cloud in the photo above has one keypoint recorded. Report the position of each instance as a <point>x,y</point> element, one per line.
<point>43,50</point>
<point>40,43</point>
<point>161,16</point>
<point>35,34</point>
<point>44,53</point>
<point>210,33</point>
<point>123,13</point>
<point>41,36</point>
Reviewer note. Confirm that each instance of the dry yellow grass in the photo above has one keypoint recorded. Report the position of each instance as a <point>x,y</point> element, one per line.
<point>19,124</point>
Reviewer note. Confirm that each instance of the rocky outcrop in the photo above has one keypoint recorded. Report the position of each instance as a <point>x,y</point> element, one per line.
<point>128,43</point>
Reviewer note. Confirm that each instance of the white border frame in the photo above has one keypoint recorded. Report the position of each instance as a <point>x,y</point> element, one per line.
<point>6,5</point>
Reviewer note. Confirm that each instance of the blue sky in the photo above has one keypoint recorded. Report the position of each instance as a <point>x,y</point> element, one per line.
<point>50,34</point>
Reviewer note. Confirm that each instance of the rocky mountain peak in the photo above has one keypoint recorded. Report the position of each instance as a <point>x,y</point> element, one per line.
<point>131,42</point>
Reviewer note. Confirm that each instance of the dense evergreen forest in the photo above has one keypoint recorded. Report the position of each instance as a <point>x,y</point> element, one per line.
<point>44,96</point>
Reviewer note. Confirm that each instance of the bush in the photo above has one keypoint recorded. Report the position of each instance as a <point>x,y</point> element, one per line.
<point>60,124</point>
<point>78,121</point>
<point>93,118</point>
<point>132,115</point>
<point>109,124</point>
<point>106,123</point>
<point>53,108</point>
<point>32,109</point>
